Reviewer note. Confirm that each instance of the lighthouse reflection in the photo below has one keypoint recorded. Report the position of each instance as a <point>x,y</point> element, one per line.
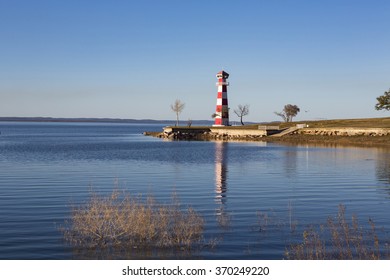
<point>221,171</point>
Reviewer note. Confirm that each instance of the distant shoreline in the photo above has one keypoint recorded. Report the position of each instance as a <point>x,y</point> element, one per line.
<point>97,120</point>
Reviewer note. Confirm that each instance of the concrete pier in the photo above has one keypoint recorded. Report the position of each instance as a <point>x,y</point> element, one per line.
<point>218,133</point>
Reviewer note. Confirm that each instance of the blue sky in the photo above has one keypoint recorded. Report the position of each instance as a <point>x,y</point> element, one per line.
<point>132,59</point>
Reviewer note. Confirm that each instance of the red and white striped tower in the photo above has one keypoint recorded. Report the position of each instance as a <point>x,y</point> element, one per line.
<point>222,111</point>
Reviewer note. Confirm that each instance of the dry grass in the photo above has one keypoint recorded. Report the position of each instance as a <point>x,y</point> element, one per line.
<point>120,221</point>
<point>340,239</point>
<point>356,123</point>
<point>332,140</point>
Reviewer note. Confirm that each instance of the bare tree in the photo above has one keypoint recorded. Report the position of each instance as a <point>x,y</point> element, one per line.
<point>289,111</point>
<point>177,107</point>
<point>383,101</point>
<point>282,115</point>
<point>242,110</point>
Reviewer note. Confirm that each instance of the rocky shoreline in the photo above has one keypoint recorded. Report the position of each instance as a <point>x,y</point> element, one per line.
<point>332,140</point>
<point>302,137</point>
<point>205,136</point>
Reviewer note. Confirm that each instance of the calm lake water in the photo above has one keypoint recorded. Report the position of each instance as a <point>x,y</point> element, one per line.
<point>47,167</point>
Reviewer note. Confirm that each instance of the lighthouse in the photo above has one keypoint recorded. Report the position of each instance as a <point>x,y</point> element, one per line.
<point>222,111</point>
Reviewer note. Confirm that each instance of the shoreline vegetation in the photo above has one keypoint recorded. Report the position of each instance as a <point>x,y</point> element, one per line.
<point>313,133</point>
<point>120,226</point>
<point>341,238</point>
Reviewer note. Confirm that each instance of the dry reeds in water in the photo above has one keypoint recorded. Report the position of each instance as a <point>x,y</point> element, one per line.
<point>125,222</point>
<point>340,239</point>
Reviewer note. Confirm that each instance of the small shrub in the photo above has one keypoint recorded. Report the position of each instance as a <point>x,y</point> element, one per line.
<point>122,222</point>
